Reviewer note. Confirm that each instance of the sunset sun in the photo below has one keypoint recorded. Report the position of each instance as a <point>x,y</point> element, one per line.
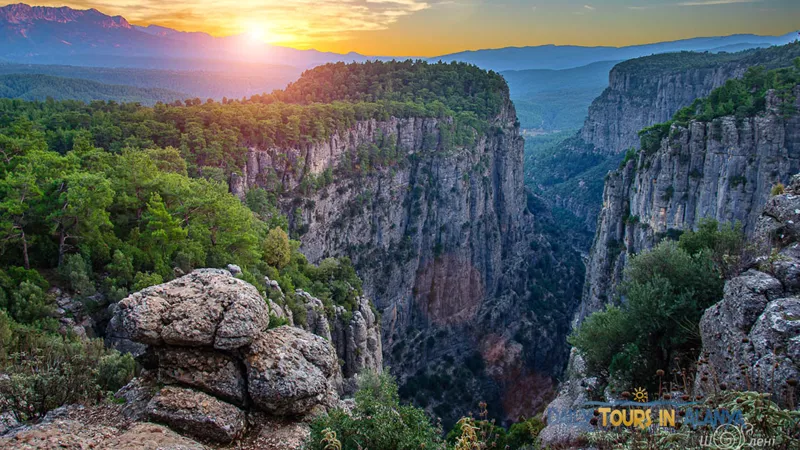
<point>257,32</point>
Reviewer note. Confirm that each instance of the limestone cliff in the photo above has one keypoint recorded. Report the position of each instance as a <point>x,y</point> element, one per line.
<point>722,170</point>
<point>641,92</point>
<point>446,246</point>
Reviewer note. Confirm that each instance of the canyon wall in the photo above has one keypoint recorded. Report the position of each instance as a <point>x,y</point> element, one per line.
<point>642,92</point>
<point>468,289</point>
<point>722,170</point>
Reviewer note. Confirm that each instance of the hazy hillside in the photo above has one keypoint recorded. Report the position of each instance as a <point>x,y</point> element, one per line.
<point>40,87</point>
<point>195,83</point>
<point>556,99</point>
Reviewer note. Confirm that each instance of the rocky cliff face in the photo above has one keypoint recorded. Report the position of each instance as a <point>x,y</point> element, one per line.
<point>643,92</point>
<point>442,238</point>
<point>750,338</point>
<point>634,101</point>
<point>723,170</point>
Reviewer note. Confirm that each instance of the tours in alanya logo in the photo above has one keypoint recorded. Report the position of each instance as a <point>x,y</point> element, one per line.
<point>730,431</point>
<point>642,413</point>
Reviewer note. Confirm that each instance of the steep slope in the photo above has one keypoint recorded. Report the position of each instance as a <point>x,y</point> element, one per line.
<point>441,233</point>
<point>641,92</point>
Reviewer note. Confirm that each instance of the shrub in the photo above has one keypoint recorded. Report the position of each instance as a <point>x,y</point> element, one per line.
<point>75,272</point>
<point>601,336</point>
<point>277,250</point>
<point>143,280</point>
<point>378,421</point>
<point>44,371</point>
<point>666,291</point>
<point>525,433</point>
<point>778,189</point>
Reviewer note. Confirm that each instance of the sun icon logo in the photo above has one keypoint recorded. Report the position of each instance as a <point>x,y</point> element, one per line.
<point>640,395</point>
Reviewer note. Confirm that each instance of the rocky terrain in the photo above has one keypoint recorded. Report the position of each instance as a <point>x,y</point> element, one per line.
<point>442,240</point>
<point>750,338</point>
<point>641,92</point>
<point>212,371</point>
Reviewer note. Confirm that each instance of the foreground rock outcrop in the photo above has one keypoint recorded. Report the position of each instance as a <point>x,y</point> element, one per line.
<point>212,367</point>
<point>355,335</point>
<point>751,339</point>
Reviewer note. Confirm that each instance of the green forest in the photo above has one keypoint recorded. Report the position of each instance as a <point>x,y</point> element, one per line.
<point>102,199</point>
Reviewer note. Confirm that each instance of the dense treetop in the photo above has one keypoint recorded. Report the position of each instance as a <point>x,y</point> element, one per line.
<point>214,137</point>
<point>458,86</point>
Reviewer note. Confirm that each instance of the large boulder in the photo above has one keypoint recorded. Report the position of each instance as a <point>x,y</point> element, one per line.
<point>197,414</point>
<point>208,308</point>
<point>291,371</point>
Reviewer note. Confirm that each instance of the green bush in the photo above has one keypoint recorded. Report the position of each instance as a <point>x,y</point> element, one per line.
<point>44,371</point>
<point>143,280</point>
<point>76,273</point>
<point>525,433</point>
<point>666,291</point>
<point>277,251</point>
<point>601,336</point>
<point>378,421</point>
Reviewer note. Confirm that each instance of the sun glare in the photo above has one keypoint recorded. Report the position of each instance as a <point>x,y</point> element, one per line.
<point>257,32</point>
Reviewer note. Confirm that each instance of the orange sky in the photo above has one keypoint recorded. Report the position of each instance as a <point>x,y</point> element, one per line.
<point>435,27</point>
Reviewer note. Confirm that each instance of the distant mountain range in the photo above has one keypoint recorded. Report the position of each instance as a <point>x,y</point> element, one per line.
<point>47,35</point>
<point>39,34</point>
<point>569,56</point>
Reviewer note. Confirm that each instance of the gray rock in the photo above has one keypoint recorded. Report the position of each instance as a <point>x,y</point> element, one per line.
<point>234,269</point>
<point>205,308</point>
<point>7,423</point>
<point>215,373</point>
<point>137,394</point>
<point>751,338</point>
<point>197,414</point>
<point>119,337</point>
<point>291,371</point>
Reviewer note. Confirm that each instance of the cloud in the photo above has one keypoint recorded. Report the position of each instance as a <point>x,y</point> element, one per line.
<point>295,22</point>
<point>589,7</point>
